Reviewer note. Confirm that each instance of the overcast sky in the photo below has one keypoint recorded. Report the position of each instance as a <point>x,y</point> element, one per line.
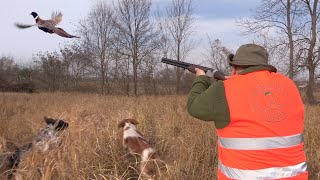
<point>214,18</point>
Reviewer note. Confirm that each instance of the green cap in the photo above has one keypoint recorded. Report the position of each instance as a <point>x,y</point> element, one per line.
<point>251,55</point>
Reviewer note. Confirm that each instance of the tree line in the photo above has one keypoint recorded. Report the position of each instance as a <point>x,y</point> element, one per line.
<point>122,43</point>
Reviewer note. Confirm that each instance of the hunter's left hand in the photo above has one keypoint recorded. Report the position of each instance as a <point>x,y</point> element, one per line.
<point>199,72</point>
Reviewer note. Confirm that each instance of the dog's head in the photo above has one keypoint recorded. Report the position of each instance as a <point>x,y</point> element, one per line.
<point>58,124</point>
<point>47,137</point>
<point>122,123</point>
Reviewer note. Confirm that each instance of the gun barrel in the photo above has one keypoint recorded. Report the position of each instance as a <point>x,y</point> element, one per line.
<point>183,65</point>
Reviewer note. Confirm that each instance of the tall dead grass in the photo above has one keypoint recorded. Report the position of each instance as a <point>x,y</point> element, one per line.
<point>92,146</point>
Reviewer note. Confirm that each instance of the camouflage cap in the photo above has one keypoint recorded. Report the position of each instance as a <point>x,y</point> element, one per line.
<point>251,55</point>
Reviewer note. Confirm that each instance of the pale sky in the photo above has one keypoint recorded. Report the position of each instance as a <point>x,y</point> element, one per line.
<point>214,18</point>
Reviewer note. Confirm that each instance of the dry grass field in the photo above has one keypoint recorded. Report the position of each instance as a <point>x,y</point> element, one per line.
<point>92,146</point>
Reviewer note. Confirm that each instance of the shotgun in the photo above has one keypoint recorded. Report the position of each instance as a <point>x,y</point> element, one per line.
<point>191,67</point>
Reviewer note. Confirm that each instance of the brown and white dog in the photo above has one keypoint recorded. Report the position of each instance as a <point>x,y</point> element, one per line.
<point>134,141</point>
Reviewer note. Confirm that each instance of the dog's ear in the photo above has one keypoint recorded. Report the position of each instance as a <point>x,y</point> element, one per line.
<point>49,120</point>
<point>133,121</point>
<point>61,125</point>
<point>122,123</point>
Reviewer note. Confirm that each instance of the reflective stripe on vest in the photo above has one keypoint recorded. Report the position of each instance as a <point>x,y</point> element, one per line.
<point>268,173</point>
<point>261,143</point>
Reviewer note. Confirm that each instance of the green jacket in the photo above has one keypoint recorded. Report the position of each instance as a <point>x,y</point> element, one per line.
<point>209,103</point>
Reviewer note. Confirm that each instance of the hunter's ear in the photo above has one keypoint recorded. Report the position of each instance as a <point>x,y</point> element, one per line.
<point>230,57</point>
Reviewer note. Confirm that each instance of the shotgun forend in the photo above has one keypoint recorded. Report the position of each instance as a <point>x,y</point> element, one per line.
<point>191,67</point>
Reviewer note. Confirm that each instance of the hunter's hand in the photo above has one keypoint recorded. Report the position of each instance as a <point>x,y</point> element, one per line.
<point>199,72</point>
<point>220,75</point>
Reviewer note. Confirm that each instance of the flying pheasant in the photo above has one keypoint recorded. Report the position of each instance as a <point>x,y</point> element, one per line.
<point>48,26</point>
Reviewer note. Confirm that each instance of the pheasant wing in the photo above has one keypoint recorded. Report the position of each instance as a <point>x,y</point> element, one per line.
<point>56,17</point>
<point>23,26</point>
<point>63,33</point>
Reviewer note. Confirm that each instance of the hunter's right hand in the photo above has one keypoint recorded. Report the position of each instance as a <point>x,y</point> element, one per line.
<point>217,74</point>
<point>220,76</point>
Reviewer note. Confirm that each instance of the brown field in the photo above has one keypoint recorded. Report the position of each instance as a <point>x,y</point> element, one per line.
<point>92,146</point>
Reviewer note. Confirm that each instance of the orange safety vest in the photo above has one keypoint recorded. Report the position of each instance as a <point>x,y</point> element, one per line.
<point>264,139</point>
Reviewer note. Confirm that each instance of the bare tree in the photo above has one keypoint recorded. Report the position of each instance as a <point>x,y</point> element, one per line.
<point>180,26</point>
<point>77,62</point>
<point>281,16</point>
<point>53,71</point>
<point>97,32</point>
<point>312,59</point>
<point>216,55</point>
<point>8,68</point>
<point>136,33</point>
<point>148,71</point>
<point>164,35</point>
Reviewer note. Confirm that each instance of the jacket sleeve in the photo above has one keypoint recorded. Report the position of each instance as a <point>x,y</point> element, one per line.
<point>208,102</point>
